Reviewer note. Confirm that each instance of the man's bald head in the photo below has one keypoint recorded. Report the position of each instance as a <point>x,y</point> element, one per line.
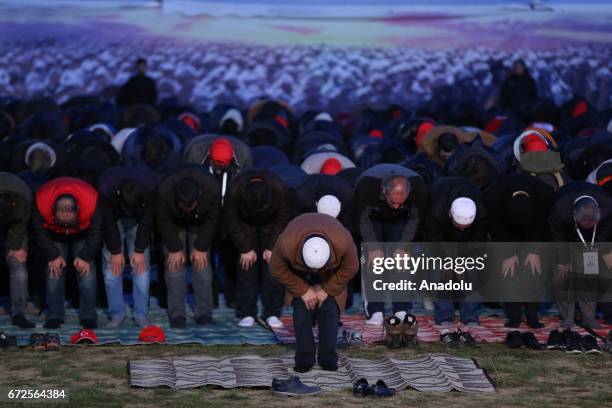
<point>396,190</point>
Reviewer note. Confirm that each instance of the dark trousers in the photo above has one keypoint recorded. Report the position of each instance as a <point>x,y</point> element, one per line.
<point>255,280</point>
<point>327,317</point>
<point>56,292</point>
<point>228,253</point>
<point>606,308</point>
<point>514,312</point>
<point>388,231</point>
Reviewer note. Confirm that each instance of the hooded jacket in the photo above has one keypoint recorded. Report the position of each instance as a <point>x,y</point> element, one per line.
<point>109,186</point>
<point>21,198</point>
<point>369,204</point>
<point>204,218</point>
<point>288,267</point>
<point>438,224</point>
<point>242,222</point>
<point>89,218</point>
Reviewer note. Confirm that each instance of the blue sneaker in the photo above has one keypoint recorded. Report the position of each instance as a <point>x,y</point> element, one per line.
<point>292,387</point>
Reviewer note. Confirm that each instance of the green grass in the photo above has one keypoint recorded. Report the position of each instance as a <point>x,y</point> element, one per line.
<point>97,376</point>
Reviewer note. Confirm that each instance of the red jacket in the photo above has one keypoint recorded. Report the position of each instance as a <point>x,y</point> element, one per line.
<point>85,195</point>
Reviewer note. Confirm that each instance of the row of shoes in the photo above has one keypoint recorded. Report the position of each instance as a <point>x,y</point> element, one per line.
<point>515,339</point>
<point>45,341</point>
<point>572,342</point>
<point>362,389</point>
<point>8,343</point>
<point>457,339</point>
<point>401,332</point>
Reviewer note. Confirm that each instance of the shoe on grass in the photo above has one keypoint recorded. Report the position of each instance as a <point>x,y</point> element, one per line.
<point>530,341</point>
<point>52,341</point>
<point>555,340</point>
<point>292,387</point>
<point>514,339</point>
<point>589,345</point>
<point>573,342</point>
<point>393,332</point>
<point>450,339</point>
<point>361,388</point>
<point>466,339</point>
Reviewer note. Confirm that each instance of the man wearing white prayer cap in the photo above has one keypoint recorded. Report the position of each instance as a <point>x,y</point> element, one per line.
<point>315,258</point>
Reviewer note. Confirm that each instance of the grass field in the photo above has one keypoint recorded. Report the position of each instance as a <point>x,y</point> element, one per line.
<point>97,376</point>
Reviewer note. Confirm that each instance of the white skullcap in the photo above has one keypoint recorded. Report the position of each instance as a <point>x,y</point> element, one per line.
<point>324,116</point>
<point>330,205</point>
<point>463,211</point>
<point>235,115</point>
<point>315,252</point>
<point>41,146</point>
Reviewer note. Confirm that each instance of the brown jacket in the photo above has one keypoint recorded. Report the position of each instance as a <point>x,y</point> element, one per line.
<point>286,264</point>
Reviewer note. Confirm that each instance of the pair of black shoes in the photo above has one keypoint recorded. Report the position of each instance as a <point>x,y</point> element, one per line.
<point>458,339</point>
<point>572,342</point>
<point>515,339</point>
<point>362,389</point>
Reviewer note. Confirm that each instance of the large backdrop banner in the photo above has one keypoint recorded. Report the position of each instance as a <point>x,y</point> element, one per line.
<point>325,54</point>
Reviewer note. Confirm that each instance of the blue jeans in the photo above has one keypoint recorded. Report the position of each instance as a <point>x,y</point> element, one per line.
<point>114,284</point>
<point>445,311</point>
<point>56,288</point>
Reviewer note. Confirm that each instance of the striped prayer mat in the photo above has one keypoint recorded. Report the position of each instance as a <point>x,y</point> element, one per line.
<point>430,373</point>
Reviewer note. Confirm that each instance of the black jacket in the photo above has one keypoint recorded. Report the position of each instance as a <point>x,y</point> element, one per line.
<point>109,185</point>
<point>316,186</point>
<point>204,218</point>
<point>501,228</point>
<point>242,223</point>
<point>139,89</point>
<point>438,224</point>
<point>369,204</point>
<point>21,196</point>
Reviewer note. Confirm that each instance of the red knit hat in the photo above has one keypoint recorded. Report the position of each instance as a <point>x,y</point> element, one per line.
<point>84,336</point>
<point>423,129</point>
<point>221,152</point>
<point>534,143</point>
<point>331,166</point>
<point>377,133</point>
<point>191,120</point>
<point>580,109</point>
<point>152,334</point>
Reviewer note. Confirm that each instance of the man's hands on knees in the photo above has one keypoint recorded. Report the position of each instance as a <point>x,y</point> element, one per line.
<point>267,254</point>
<point>82,266</point>
<point>139,263</point>
<point>20,255</point>
<point>247,259</point>
<point>321,294</point>
<point>199,259</point>
<point>56,267</point>
<point>175,261</point>
<point>310,298</point>
<point>117,263</point>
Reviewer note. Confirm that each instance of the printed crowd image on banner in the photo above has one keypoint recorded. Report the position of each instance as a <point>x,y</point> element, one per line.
<point>332,54</point>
